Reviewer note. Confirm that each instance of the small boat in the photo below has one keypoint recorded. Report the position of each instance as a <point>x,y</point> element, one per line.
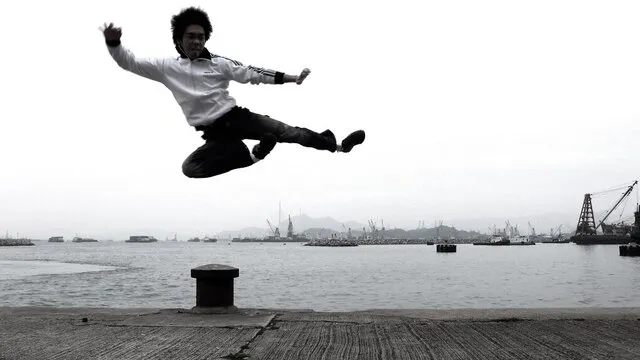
<point>496,240</point>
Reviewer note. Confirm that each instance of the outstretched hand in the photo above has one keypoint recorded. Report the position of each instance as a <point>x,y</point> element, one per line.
<point>303,75</point>
<point>111,32</point>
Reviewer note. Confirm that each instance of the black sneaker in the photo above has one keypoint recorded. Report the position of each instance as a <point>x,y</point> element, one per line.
<point>353,139</point>
<point>328,134</point>
<point>333,144</point>
<point>264,147</point>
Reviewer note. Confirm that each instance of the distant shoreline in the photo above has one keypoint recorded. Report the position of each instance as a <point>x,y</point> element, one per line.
<point>15,242</point>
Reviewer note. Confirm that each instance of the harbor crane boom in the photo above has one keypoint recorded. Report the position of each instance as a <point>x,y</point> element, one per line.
<point>626,193</point>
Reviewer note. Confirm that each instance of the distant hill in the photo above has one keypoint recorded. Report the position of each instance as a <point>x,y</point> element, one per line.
<point>542,223</point>
<point>245,232</point>
<point>474,227</point>
<point>445,232</point>
<point>304,222</point>
<point>300,224</point>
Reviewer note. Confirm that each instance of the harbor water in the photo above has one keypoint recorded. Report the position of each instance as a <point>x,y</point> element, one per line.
<point>292,276</point>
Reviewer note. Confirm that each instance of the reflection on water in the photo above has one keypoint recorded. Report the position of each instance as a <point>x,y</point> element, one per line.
<point>21,269</point>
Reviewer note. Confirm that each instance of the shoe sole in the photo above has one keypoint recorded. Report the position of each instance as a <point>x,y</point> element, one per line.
<point>353,139</point>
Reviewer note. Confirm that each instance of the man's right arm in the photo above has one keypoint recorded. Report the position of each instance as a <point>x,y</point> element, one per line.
<point>150,68</point>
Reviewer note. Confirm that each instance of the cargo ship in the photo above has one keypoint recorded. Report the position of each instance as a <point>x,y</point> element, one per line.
<point>141,239</point>
<point>588,233</point>
<point>510,236</point>
<point>497,239</point>
<point>559,240</point>
<point>78,239</point>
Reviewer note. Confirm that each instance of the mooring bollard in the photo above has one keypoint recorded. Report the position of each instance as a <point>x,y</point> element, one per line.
<point>214,287</point>
<point>630,250</point>
<point>446,248</point>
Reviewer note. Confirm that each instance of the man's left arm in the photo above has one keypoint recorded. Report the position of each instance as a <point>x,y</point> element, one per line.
<point>254,75</point>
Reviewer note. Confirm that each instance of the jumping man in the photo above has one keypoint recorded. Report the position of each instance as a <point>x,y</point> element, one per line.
<point>199,81</point>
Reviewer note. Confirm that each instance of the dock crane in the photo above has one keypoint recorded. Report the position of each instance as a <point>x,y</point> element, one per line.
<point>346,233</point>
<point>586,220</point>
<point>276,232</point>
<point>626,193</point>
<point>532,229</point>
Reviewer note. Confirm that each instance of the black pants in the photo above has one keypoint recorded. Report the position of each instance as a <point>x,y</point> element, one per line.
<point>224,149</point>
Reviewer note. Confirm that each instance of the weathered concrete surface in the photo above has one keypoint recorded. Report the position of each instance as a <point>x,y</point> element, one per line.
<point>50,333</point>
<point>40,333</point>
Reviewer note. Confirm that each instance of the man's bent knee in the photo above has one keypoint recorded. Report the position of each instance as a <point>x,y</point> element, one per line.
<point>193,171</point>
<point>197,171</point>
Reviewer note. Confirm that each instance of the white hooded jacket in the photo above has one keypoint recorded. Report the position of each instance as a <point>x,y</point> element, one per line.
<point>200,85</point>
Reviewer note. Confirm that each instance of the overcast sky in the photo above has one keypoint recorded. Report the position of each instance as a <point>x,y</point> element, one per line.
<point>472,109</point>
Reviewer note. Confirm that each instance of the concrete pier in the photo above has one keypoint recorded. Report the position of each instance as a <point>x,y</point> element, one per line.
<point>252,334</point>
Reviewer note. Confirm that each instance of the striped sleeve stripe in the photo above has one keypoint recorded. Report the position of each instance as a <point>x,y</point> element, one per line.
<point>263,71</point>
<point>236,63</point>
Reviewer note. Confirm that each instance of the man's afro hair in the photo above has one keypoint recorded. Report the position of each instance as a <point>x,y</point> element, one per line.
<point>190,16</point>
